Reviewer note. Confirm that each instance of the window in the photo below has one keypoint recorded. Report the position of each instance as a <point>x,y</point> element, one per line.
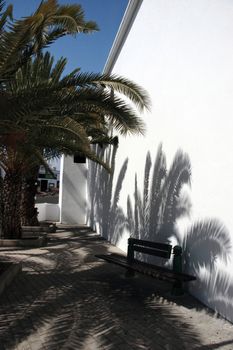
<point>79,158</point>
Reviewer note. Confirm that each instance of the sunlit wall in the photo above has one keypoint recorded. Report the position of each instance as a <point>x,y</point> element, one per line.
<point>73,191</point>
<point>181,52</point>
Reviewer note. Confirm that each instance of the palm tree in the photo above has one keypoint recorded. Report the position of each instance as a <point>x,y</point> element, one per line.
<point>21,39</point>
<point>66,114</point>
<point>27,104</point>
<point>28,211</point>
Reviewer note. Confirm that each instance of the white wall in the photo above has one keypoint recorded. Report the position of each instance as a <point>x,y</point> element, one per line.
<point>48,212</point>
<point>73,192</point>
<point>181,52</point>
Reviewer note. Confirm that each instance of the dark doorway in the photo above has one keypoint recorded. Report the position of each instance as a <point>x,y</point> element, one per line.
<point>43,185</point>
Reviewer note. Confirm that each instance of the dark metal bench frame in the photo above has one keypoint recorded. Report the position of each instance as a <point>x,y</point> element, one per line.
<point>162,250</point>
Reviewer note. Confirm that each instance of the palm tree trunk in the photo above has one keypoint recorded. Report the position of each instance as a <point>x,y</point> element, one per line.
<point>11,223</point>
<point>28,210</point>
<point>1,203</point>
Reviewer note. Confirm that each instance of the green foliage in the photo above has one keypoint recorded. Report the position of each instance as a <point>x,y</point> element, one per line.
<point>40,102</point>
<point>21,39</point>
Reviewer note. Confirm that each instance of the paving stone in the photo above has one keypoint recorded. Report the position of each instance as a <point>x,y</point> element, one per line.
<point>67,299</point>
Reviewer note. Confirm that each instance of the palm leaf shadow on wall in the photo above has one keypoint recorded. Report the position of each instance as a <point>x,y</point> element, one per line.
<point>154,216</point>
<point>207,250</point>
<point>104,204</point>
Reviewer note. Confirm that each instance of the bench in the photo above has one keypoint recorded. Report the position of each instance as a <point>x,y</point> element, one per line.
<point>162,250</point>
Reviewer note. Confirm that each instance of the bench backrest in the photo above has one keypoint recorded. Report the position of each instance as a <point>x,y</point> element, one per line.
<point>162,250</point>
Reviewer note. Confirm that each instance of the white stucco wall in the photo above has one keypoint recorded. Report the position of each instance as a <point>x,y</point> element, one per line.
<point>48,212</point>
<point>73,192</point>
<point>181,52</point>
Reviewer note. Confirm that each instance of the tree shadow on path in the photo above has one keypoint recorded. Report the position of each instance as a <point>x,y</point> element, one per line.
<point>73,301</point>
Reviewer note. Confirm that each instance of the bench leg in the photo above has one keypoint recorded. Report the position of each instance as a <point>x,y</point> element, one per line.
<point>177,288</point>
<point>129,273</point>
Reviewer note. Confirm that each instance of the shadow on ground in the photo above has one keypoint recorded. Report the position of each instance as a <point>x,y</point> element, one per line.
<point>66,299</point>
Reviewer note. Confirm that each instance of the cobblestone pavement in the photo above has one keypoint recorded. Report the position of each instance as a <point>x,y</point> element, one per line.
<point>65,298</point>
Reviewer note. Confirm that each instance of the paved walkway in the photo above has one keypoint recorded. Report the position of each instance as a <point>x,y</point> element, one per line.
<point>65,298</point>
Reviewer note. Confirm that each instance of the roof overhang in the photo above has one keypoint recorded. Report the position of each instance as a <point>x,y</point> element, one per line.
<point>124,29</point>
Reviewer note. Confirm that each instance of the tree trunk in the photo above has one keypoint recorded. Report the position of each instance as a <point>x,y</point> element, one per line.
<point>11,223</point>
<point>28,210</point>
<point>1,203</point>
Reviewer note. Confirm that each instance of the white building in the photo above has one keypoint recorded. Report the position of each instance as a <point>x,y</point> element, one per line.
<point>47,181</point>
<point>181,52</point>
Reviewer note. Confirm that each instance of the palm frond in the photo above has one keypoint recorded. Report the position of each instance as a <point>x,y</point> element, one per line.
<point>8,13</point>
<point>69,125</point>
<point>119,84</point>
<point>28,36</point>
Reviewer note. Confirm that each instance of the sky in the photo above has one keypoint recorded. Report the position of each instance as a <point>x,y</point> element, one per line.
<point>87,51</point>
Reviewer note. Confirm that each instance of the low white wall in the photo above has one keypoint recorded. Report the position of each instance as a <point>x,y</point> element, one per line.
<point>48,212</point>
<point>73,192</point>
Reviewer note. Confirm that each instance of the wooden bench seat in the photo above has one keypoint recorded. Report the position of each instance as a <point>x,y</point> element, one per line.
<point>162,250</point>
